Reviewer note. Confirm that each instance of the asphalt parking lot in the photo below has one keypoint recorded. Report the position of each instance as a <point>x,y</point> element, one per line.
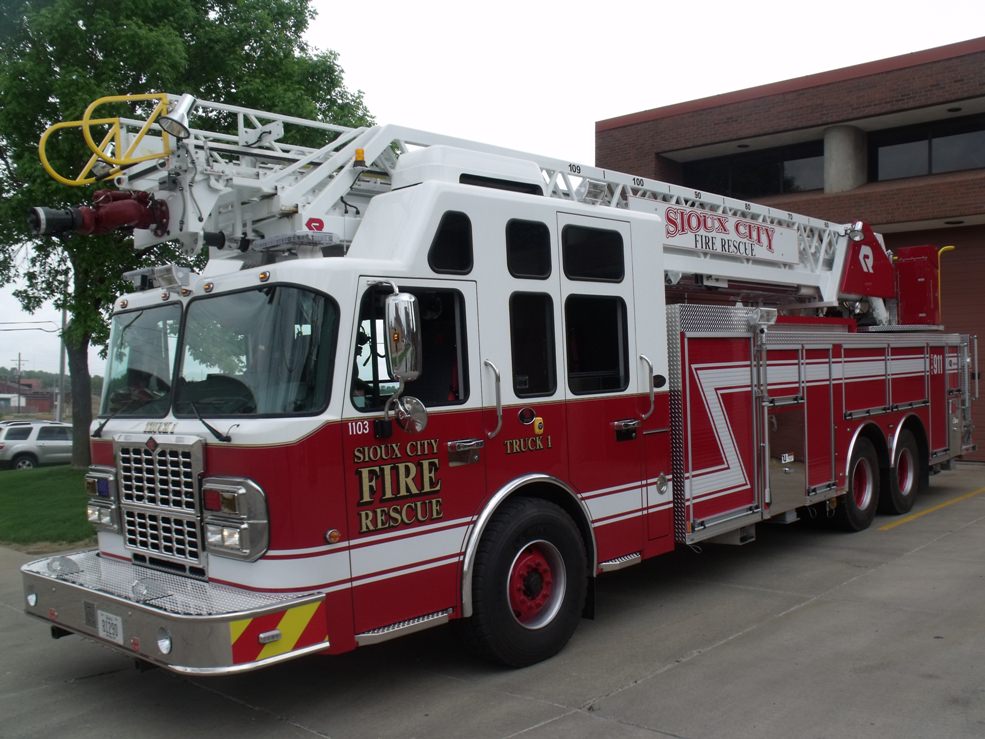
<point>808,632</point>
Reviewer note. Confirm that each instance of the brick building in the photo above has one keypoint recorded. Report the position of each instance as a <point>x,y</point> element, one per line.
<point>898,142</point>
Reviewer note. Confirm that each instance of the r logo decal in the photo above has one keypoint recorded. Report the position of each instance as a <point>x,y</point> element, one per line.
<point>866,258</point>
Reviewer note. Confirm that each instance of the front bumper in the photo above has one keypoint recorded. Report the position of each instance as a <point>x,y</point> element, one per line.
<point>184,625</point>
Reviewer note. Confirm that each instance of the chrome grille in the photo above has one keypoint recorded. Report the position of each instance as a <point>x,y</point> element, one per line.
<point>163,477</point>
<point>162,535</point>
<point>158,479</point>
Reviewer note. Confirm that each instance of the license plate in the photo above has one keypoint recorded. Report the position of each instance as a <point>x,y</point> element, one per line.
<point>110,627</point>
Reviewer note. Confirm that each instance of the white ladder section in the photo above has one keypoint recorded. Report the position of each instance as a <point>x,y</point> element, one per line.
<point>254,175</point>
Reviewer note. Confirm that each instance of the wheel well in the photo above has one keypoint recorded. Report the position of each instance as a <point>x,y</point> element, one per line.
<point>874,435</point>
<point>570,505</point>
<point>21,455</point>
<point>544,488</point>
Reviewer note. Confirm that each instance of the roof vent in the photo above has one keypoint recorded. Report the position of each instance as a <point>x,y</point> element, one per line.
<point>451,164</point>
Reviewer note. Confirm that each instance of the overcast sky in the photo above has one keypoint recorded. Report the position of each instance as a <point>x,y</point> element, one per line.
<point>536,75</point>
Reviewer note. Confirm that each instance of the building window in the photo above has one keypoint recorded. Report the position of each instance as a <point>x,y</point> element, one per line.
<point>927,148</point>
<point>756,174</point>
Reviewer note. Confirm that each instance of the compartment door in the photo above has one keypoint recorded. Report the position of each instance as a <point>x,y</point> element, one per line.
<point>713,415</point>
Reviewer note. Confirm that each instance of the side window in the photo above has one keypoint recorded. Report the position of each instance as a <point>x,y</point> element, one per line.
<point>528,249</point>
<point>596,343</point>
<point>18,433</point>
<point>592,254</point>
<point>444,366</point>
<point>451,249</point>
<point>49,433</point>
<point>532,344</point>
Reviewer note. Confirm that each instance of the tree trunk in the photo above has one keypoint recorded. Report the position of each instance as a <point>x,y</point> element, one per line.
<point>78,367</point>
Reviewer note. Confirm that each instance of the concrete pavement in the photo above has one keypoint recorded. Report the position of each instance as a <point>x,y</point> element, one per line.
<point>807,632</point>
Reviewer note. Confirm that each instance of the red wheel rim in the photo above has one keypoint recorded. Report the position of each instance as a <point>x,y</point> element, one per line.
<point>862,483</point>
<point>536,584</point>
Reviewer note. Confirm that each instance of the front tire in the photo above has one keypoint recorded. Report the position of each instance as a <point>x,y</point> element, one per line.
<point>858,505</point>
<point>905,479</point>
<point>529,584</point>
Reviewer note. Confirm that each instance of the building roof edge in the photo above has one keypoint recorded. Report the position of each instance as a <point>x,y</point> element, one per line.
<point>891,64</point>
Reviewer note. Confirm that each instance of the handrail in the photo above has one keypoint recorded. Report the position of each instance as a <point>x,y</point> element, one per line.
<point>649,375</point>
<point>113,137</point>
<point>499,401</point>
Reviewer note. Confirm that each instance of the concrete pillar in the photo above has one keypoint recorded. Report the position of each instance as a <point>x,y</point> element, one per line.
<point>845,158</point>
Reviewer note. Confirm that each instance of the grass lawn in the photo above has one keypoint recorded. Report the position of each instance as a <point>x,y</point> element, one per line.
<point>43,508</point>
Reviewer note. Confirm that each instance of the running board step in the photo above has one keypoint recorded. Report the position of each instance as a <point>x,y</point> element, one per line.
<point>619,562</point>
<point>402,628</point>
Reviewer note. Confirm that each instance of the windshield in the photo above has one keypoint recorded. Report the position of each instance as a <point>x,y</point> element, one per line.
<point>141,361</point>
<point>267,351</point>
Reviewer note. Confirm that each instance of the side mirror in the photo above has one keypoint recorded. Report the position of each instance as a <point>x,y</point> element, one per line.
<point>411,414</point>
<point>403,340</point>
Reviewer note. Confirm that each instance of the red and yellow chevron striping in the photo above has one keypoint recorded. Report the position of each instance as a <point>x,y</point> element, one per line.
<point>299,627</point>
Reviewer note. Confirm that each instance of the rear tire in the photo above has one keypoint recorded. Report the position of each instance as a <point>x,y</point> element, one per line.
<point>528,585</point>
<point>857,506</point>
<point>905,480</point>
<point>24,462</point>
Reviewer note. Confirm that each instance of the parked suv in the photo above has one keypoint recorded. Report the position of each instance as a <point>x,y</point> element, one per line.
<point>27,444</point>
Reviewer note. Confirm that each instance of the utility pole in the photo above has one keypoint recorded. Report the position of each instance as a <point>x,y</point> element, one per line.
<point>61,372</point>
<point>19,363</point>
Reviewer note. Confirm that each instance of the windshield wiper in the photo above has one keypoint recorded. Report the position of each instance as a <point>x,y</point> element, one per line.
<point>131,406</point>
<point>215,432</point>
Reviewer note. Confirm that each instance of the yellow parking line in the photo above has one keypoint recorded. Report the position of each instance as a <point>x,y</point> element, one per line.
<point>915,516</point>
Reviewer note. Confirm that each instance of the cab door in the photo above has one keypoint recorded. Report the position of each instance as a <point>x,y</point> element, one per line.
<point>411,494</point>
<point>604,416</point>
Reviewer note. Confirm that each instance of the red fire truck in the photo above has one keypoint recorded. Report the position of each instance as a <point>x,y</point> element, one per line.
<point>424,380</point>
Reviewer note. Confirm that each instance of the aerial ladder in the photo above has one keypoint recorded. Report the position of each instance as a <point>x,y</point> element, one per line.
<point>238,183</point>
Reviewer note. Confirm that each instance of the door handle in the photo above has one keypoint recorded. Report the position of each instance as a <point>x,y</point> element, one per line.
<point>465,445</point>
<point>464,451</point>
<point>626,428</point>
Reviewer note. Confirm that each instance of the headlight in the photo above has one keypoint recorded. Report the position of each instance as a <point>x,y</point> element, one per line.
<point>101,509</point>
<point>100,482</point>
<point>102,516</point>
<point>235,517</point>
<point>231,537</point>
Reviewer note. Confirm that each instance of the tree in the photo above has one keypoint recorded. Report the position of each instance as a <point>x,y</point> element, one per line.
<point>57,56</point>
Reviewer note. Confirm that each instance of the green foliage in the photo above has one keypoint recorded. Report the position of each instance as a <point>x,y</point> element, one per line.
<point>57,56</point>
<point>43,505</point>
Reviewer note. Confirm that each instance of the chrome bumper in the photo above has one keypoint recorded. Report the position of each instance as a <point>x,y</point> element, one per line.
<point>182,624</point>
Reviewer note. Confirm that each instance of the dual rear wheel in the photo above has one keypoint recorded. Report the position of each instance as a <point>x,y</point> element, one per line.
<point>867,490</point>
<point>906,478</point>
